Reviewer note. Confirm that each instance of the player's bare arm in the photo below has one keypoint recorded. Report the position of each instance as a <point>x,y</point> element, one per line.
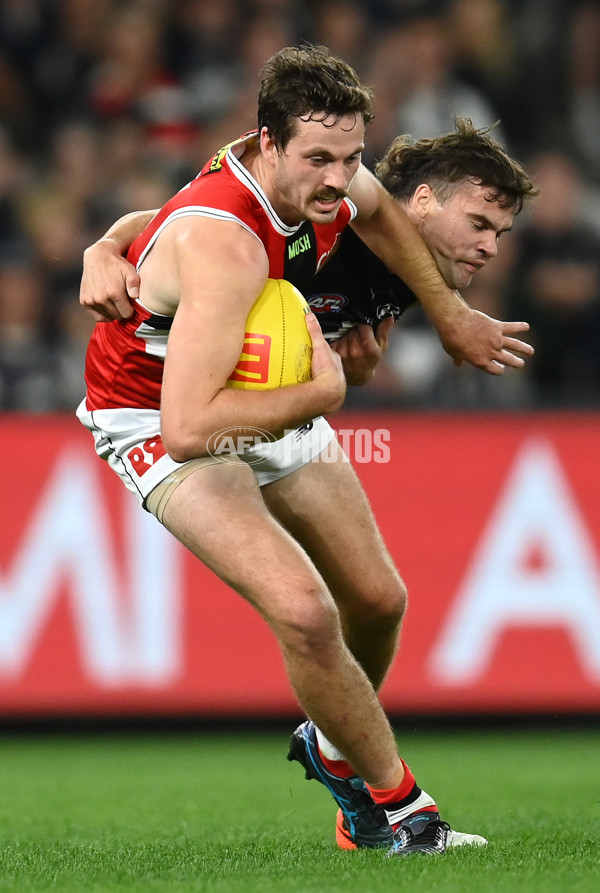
<point>109,280</point>
<point>466,334</point>
<point>218,270</point>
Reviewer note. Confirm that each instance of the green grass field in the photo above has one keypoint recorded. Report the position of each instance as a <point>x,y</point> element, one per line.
<point>204,812</point>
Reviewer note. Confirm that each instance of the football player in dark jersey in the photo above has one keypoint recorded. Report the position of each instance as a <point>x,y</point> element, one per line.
<point>462,191</point>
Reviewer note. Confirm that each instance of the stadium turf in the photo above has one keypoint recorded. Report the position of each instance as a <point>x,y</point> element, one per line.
<point>205,812</point>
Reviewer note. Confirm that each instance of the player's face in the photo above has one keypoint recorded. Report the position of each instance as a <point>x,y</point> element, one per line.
<point>313,175</point>
<point>463,233</point>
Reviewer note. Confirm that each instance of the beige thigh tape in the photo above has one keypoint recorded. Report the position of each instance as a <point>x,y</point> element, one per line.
<point>157,499</point>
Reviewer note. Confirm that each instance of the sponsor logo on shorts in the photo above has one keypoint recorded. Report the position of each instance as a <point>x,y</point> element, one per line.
<point>303,430</point>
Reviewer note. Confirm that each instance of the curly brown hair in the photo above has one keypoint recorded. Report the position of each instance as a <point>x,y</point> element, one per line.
<point>445,161</point>
<point>308,81</point>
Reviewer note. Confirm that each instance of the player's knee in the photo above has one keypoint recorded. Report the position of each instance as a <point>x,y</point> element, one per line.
<point>310,627</point>
<point>383,607</point>
<point>396,602</point>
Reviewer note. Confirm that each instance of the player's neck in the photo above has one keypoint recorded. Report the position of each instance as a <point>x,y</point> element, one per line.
<point>254,163</point>
<point>251,158</point>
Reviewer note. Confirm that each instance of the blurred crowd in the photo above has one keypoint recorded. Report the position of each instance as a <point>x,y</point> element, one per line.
<point>107,106</point>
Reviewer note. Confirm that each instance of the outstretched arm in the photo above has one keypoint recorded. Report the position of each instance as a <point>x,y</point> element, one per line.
<point>466,334</point>
<point>109,280</point>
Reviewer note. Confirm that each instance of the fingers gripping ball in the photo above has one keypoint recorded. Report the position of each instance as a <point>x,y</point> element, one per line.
<point>277,347</point>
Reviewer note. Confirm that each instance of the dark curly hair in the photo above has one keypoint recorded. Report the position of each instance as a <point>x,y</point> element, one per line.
<point>308,81</point>
<point>445,161</point>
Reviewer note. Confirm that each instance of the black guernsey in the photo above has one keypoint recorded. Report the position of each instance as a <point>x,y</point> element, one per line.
<point>355,287</point>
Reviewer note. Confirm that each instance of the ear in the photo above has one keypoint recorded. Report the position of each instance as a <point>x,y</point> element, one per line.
<point>421,200</point>
<point>268,149</point>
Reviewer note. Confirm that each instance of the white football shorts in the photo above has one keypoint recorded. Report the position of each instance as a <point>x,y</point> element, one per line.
<point>129,440</point>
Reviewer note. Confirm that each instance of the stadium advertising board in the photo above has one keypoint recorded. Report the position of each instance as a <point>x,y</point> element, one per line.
<point>494,522</point>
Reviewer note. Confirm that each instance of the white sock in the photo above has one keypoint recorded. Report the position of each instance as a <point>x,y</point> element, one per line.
<point>329,750</point>
<point>395,816</point>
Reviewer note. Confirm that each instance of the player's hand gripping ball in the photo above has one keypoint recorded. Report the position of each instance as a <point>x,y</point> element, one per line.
<point>277,347</point>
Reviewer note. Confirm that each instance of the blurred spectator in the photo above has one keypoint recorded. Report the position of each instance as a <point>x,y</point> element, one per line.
<point>54,205</point>
<point>14,177</point>
<point>486,56</point>
<point>131,79</point>
<point>538,101</point>
<point>583,84</point>
<point>556,287</point>
<point>202,45</point>
<point>72,331</point>
<point>26,369</point>
<point>46,49</point>
<point>427,90</point>
<point>345,27</point>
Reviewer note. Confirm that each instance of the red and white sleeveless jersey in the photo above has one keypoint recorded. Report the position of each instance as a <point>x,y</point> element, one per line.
<point>124,362</point>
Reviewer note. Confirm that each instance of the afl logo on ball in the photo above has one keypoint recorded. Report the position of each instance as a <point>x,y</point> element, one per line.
<point>327,303</point>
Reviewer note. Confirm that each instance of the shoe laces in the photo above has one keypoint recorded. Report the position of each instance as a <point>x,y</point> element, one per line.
<point>433,832</point>
<point>432,836</point>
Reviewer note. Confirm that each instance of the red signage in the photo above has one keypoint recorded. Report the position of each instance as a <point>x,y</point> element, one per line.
<point>493,521</point>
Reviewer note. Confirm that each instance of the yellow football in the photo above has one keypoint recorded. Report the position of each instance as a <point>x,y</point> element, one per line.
<point>277,347</point>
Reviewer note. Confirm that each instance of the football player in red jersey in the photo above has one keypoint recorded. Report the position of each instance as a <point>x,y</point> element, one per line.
<point>156,384</point>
